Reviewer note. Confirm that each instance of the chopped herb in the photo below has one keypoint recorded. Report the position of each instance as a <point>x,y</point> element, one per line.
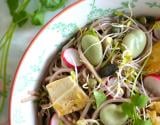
<point>38,17</point>
<point>12,5</point>
<point>143,122</point>
<point>139,100</point>
<point>100,97</point>
<point>129,108</point>
<point>52,4</point>
<point>20,18</point>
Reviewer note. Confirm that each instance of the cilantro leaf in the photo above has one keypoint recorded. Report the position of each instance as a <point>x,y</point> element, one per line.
<point>128,109</point>
<point>139,100</point>
<point>100,97</point>
<point>38,17</point>
<point>147,122</point>
<point>20,18</point>
<point>12,5</point>
<point>23,5</point>
<point>52,4</point>
<point>142,122</point>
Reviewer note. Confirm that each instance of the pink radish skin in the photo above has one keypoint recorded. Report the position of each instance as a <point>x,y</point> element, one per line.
<point>152,84</point>
<point>54,120</point>
<point>68,56</point>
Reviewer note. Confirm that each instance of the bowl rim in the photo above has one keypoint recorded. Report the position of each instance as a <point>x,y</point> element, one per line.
<point>26,52</point>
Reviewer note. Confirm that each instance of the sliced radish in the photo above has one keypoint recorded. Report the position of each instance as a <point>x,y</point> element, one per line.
<point>54,120</point>
<point>70,58</point>
<point>152,84</point>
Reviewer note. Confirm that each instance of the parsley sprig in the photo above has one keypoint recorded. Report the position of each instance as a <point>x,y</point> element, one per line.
<point>130,108</point>
<point>100,97</point>
<point>18,11</point>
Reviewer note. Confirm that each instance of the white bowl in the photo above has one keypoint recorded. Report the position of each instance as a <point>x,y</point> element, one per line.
<point>51,36</point>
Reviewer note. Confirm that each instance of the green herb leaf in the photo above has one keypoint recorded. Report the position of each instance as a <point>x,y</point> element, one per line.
<point>148,122</point>
<point>52,4</point>
<point>142,122</point>
<point>20,18</point>
<point>139,100</point>
<point>22,5</point>
<point>100,97</point>
<point>128,109</point>
<point>38,17</point>
<point>12,5</point>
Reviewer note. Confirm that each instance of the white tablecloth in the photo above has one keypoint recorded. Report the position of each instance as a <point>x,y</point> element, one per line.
<point>20,41</point>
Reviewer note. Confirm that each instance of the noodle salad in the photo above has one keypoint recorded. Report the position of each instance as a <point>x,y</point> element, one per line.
<point>106,74</point>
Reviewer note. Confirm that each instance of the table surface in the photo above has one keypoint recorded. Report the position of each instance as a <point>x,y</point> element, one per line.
<point>20,41</point>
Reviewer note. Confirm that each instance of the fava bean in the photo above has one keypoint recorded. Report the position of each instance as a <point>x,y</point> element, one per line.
<point>112,115</point>
<point>92,49</point>
<point>135,41</point>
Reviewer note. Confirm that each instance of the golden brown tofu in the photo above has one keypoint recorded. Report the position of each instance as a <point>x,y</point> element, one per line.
<point>66,96</point>
<point>152,65</point>
<point>153,112</point>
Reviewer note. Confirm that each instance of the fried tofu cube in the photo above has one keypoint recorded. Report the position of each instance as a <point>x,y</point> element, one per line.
<point>154,118</point>
<point>66,96</point>
<point>152,65</point>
